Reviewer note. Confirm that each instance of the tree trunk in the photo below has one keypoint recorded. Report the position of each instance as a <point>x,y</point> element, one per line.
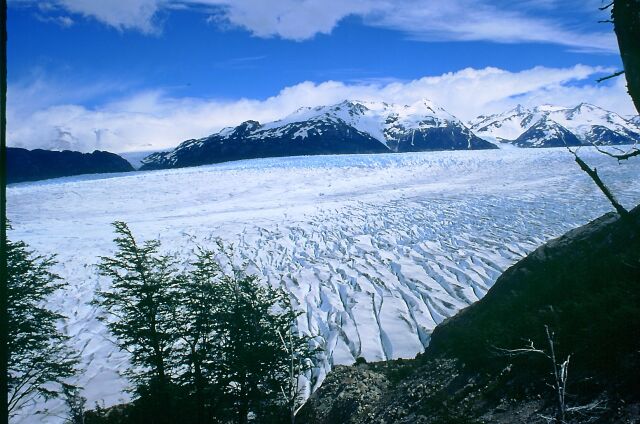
<point>4,276</point>
<point>243,404</point>
<point>626,23</point>
<point>199,386</point>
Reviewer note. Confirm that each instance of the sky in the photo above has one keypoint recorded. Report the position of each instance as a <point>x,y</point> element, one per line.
<point>142,75</point>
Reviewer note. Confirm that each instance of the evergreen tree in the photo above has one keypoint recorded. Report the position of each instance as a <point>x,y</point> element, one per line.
<point>142,307</point>
<point>197,316</point>
<point>39,359</point>
<point>220,342</point>
<point>254,360</point>
<point>76,404</point>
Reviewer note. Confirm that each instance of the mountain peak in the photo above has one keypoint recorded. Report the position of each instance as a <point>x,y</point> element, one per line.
<point>589,123</point>
<point>247,127</point>
<point>351,126</point>
<point>519,109</point>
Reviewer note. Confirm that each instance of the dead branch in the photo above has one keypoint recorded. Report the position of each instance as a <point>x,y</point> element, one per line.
<point>606,7</point>
<point>593,173</point>
<point>530,348</point>
<point>622,156</point>
<point>615,74</point>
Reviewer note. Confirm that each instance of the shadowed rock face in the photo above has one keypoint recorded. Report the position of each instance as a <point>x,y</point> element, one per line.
<point>453,137</point>
<point>584,286</point>
<point>33,165</point>
<point>547,133</point>
<point>322,139</point>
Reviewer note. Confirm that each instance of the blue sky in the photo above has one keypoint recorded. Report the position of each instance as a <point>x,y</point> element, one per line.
<point>145,74</point>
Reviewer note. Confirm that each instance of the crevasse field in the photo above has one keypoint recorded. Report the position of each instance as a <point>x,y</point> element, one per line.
<point>376,250</point>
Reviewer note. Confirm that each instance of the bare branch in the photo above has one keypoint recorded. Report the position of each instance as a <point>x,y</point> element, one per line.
<point>623,156</point>
<point>606,7</point>
<point>614,75</point>
<point>528,349</point>
<point>593,173</point>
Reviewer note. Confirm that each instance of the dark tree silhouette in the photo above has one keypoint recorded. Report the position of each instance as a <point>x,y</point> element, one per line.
<point>141,306</point>
<point>209,343</point>
<point>4,276</point>
<point>39,360</point>
<point>625,15</point>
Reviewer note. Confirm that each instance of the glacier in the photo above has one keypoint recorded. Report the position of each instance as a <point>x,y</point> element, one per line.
<point>375,250</point>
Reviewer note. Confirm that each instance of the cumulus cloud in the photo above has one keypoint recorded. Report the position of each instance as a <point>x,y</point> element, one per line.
<point>503,21</point>
<point>154,120</point>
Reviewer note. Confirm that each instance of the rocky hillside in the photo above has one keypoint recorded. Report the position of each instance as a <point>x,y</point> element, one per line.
<point>347,127</point>
<point>32,165</point>
<point>584,287</point>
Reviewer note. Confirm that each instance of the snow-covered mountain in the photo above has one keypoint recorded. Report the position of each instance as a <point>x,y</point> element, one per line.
<point>590,124</point>
<point>547,133</point>
<point>347,127</point>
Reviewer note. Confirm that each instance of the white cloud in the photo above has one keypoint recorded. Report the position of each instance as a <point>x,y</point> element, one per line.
<point>155,120</point>
<point>473,20</point>
<point>461,20</point>
<point>140,15</point>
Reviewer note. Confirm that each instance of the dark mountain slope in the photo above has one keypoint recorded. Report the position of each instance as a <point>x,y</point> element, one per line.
<point>585,286</point>
<point>547,133</point>
<point>246,141</point>
<point>32,165</point>
<point>453,137</point>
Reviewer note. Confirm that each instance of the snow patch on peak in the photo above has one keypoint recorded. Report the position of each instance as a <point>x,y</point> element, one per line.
<point>549,108</point>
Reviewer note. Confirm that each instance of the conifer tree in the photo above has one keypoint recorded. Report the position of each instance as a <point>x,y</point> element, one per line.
<point>210,334</point>
<point>197,315</point>
<point>255,363</point>
<point>39,358</point>
<point>141,307</point>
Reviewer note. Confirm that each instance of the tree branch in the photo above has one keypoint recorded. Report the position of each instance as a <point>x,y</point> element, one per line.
<point>615,74</point>
<point>606,7</point>
<point>623,156</point>
<point>593,173</point>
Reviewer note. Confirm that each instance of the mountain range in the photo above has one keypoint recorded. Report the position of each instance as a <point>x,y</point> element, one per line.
<point>347,127</point>
<point>354,127</point>
<point>380,127</point>
<point>553,126</point>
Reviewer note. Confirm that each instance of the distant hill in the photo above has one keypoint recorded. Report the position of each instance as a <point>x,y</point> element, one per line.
<point>33,165</point>
<point>347,127</point>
